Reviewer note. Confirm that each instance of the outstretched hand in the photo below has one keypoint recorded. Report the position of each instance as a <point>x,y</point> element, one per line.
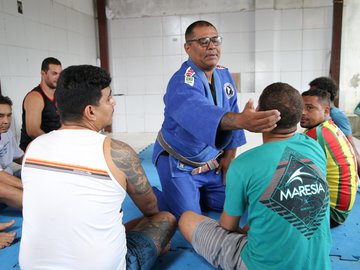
<point>258,121</point>
<point>250,119</point>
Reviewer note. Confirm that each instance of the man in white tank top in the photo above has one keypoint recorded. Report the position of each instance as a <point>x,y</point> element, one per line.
<point>75,181</point>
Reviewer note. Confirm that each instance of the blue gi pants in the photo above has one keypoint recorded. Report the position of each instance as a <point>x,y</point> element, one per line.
<point>183,191</point>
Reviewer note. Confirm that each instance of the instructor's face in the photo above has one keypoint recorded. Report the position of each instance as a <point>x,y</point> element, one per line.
<point>206,58</point>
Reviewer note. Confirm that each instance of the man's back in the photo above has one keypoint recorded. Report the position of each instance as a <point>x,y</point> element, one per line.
<point>341,120</point>
<point>288,204</point>
<point>69,194</point>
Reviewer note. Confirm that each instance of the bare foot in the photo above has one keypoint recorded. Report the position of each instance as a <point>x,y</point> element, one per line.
<point>6,238</point>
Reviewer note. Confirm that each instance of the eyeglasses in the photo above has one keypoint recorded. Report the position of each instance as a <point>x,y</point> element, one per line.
<point>205,41</point>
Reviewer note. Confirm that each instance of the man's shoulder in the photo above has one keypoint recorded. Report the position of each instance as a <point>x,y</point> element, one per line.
<point>337,114</point>
<point>35,93</point>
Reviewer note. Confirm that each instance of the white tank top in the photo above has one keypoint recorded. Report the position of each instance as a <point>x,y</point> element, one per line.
<point>71,205</point>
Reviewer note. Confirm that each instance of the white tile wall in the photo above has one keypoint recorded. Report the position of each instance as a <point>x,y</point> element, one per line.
<point>292,78</point>
<point>291,40</point>
<point>171,25</point>
<point>59,19</point>
<point>153,122</point>
<point>152,27</point>
<point>315,18</point>
<point>2,30</point>
<point>153,46</point>
<point>264,41</point>
<point>14,30</point>
<point>291,19</point>
<point>10,7</point>
<point>290,61</point>
<point>172,45</point>
<point>316,39</point>
<point>4,61</point>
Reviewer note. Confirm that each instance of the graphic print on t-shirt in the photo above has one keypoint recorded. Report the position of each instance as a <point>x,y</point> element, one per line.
<point>298,192</point>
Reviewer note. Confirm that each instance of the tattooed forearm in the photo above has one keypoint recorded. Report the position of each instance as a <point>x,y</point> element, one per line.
<point>127,161</point>
<point>160,230</point>
<point>228,122</point>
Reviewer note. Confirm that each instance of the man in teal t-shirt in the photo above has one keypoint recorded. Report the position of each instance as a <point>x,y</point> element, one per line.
<point>282,184</point>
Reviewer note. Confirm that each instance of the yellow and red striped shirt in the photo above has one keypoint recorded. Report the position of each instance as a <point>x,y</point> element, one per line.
<point>341,167</point>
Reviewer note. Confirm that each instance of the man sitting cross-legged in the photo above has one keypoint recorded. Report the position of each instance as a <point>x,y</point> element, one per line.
<point>282,183</point>
<point>10,185</point>
<point>75,181</point>
<point>341,161</point>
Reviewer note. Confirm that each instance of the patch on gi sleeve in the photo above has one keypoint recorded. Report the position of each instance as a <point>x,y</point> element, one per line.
<point>189,76</point>
<point>229,90</point>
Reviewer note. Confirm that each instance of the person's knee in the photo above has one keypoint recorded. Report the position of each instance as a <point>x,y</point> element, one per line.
<point>188,223</point>
<point>184,219</point>
<point>168,218</point>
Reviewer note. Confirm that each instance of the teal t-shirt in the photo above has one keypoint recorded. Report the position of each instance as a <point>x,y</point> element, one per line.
<point>283,186</point>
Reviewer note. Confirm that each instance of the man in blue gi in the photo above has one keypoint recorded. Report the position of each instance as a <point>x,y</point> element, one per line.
<point>202,127</point>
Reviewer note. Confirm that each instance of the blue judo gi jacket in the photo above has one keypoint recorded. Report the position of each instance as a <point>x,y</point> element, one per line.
<point>191,118</point>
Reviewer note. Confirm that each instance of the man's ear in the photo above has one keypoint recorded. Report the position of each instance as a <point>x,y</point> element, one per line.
<point>186,47</point>
<point>89,113</point>
<point>326,110</point>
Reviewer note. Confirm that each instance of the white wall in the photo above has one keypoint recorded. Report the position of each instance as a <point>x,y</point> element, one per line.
<point>350,57</point>
<point>265,40</point>
<point>62,29</point>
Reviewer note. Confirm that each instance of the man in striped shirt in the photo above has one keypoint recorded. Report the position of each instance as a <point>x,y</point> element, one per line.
<point>341,160</point>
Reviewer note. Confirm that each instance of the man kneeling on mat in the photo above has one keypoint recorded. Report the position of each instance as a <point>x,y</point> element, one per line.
<point>75,181</point>
<point>282,183</point>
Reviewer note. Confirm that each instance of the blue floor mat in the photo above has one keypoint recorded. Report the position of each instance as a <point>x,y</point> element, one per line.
<point>345,253</point>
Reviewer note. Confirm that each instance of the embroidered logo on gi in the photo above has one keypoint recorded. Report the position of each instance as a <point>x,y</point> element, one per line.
<point>298,193</point>
<point>220,67</point>
<point>229,90</point>
<point>189,76</point>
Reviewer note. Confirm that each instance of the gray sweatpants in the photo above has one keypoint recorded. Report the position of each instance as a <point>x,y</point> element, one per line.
<point>219,247</point>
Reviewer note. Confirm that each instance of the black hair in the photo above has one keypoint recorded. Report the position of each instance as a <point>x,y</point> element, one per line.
<point>287,100</point>
<point>77,87</point>
<point>201,23</point>
<point>323,95</point>
<point>5,100</point>
<point>49,61</point>
<point>326,83</point>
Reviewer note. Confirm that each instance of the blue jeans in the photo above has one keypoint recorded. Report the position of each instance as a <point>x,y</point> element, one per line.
<point>141,251</point>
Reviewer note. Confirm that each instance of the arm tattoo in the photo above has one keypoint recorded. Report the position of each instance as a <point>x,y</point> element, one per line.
<point>159,230</point>
<point>128,162</point>
<point>228,122</point>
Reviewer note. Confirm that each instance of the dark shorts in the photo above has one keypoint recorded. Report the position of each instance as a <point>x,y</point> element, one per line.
<point>141,251</point>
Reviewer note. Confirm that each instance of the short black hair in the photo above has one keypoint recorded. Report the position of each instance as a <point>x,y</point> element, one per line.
<point>323,95</point>
<point>287,100</point>
<point>49,61</point>
<point>201,23</point>
<point>77,87</point>
<point>326,83</point>
<point>5,100</point>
